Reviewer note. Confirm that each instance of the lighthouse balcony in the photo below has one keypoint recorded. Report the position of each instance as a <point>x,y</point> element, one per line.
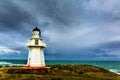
<point>39,45</point>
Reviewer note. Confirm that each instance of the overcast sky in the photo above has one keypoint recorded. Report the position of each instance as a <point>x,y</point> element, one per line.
<point>72,29</point>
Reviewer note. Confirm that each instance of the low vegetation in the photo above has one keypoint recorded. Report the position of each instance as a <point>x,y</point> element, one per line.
<point>57,72</point>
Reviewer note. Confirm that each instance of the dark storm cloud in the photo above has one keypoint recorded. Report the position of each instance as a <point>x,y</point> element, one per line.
<point>59,11</point>
<point>65,12</point>
<point>23,15</point>
<point>13,17</point>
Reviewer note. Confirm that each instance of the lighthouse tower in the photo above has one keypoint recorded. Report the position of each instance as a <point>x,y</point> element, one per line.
<point>36,52</point>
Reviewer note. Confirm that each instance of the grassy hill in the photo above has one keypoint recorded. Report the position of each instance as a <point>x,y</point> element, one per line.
<point>57,72</point>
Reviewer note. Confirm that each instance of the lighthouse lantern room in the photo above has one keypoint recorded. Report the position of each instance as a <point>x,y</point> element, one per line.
<point>36,52</point>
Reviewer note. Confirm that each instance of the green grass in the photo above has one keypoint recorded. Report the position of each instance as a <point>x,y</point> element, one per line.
<point>57,72</point>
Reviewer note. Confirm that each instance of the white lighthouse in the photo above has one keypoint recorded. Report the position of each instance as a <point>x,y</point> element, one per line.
<point>36,52</point>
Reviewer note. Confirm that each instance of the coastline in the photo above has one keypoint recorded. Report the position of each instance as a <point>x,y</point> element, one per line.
<point>113,66</point>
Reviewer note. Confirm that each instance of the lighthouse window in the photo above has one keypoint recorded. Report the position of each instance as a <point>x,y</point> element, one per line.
<point>36,42</point>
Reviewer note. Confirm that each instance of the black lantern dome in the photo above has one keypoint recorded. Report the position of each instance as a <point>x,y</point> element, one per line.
<point>36,29</point>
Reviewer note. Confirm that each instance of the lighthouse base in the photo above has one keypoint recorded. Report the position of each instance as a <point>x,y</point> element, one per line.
<point>35,66</point>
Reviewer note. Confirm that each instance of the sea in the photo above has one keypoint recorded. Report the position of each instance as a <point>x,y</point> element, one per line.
<point>113,66</point>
